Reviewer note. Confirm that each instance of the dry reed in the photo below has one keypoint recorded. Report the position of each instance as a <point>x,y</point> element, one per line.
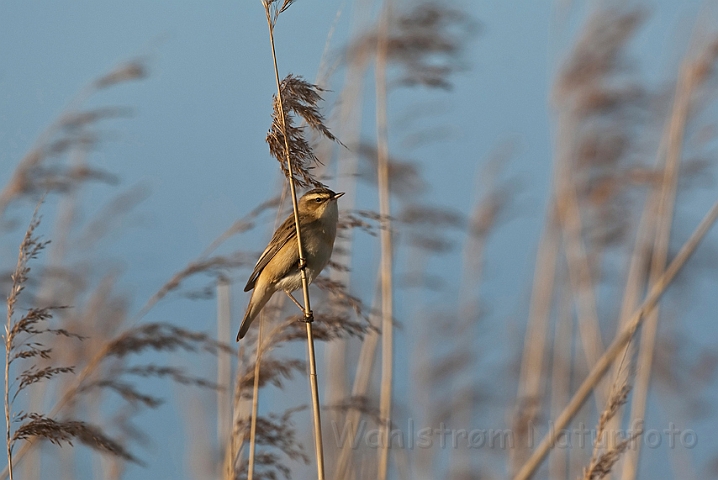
<point>598,182</point>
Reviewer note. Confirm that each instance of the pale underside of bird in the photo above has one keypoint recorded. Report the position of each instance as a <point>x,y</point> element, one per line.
<point>278,267</point>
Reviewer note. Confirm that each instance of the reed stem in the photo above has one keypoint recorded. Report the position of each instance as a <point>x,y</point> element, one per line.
<point>255,403</point>
<point>7,392</point>
<point>663,223</point>
<point>387,344</point>
<point>308,316</point>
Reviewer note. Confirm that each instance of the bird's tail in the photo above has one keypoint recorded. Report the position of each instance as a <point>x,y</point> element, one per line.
<point>256,303</point>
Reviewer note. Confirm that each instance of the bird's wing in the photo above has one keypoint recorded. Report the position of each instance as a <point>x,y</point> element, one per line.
<point>286,232</point>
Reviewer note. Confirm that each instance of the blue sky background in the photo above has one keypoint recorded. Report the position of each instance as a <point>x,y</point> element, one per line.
<point>196,138</point>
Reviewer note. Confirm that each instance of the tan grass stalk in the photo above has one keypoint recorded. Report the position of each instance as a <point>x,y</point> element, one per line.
<point>531,374</point>
<point>561,376</point>
<point>8,343</point>
<point>350,123</point>
<point>308,316</point>
<point>580,276</point>
<point>581,281</point>
<point>618,344</point>
<point>485,215</point>
<point>636,276</point>
<point>387,307</point>
<point>255,401</point>
<point>224,377</point>
<point>634,287</point>
<point>360,387</point>
<point>335,364</point>
<point>663,219</point>
<point>66,398</point>
<point>235,450</point>
<point>258,355</point>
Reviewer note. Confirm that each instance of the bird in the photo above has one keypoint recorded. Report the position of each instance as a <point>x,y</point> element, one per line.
<point>278,267</point>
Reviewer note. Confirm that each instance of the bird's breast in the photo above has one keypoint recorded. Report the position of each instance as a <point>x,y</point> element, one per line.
<point>318,243</point>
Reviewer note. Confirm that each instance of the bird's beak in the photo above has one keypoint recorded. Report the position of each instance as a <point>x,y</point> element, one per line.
<point>337,195</point>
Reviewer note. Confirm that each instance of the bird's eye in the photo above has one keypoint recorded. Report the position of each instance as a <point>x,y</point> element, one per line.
<point>318,199</point>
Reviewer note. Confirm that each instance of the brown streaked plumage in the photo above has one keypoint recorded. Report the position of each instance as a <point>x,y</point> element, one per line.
<point>278,266</point>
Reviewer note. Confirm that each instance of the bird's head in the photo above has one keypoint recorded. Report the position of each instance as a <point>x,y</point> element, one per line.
<point>319,202</point>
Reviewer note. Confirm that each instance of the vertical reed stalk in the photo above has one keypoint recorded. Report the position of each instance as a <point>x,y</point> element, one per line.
<point>18,278</point>
<point>365,364</point>
<point>224,377</point>
<point>8,342</point>
<point>350,115</point>
<point>387,307</point>
<point>308,316</point>
<point>255,401</point>
<point>582,285</point>
<point>581,279</point>
<point>636,276</point>
<point>528,403</point>
<point>663,215</point>
<point>469,305</point>
<point>238,434</point>
<point>561,376</point>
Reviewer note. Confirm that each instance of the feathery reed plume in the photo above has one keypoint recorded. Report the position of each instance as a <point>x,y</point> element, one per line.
<point>404,178</point>
<point>600,465</point>
<point>600,106</point>
<point>603,465</point>
<point>277,432</point>
<point>427,41</point>
<point>150,337</point>
<point>209,265</point>
<point>71,130</point>
<point>74,133</point>
<point>105,368</point>
<point>22,344</point>
<point>297,98</point>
